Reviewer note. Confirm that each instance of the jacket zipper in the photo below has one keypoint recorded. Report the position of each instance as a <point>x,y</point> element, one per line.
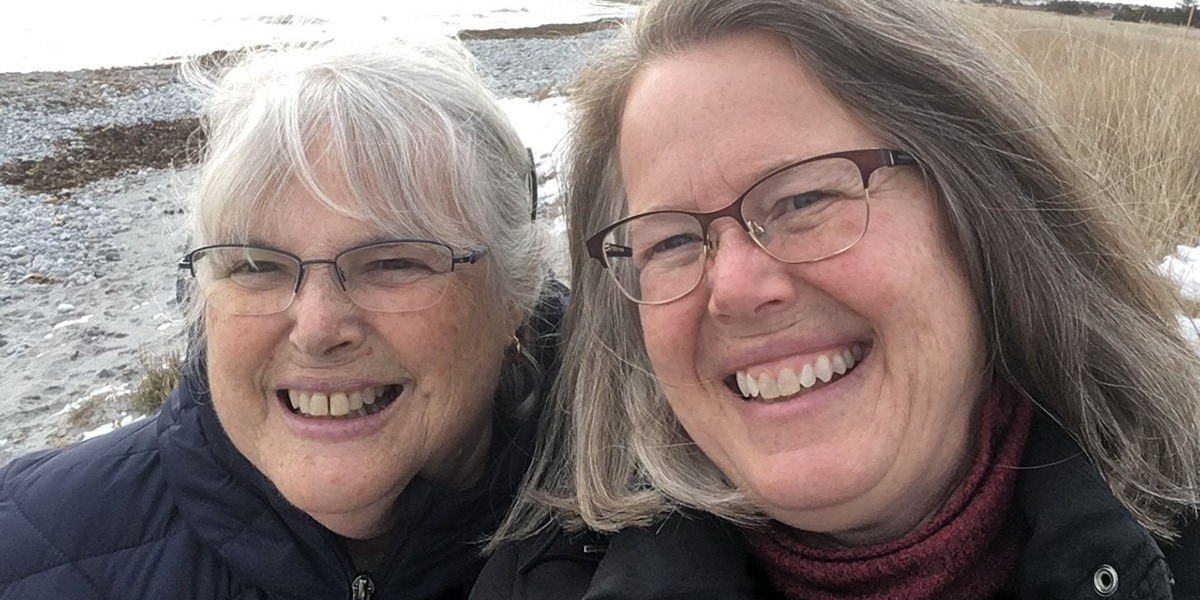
<point>362,587</point>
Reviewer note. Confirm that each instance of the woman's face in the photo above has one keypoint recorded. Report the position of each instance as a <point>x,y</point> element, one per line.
<point>870,454</point>
<point>440,364</point>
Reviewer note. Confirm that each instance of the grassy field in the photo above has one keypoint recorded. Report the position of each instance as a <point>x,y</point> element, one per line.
<point>1131,96</point>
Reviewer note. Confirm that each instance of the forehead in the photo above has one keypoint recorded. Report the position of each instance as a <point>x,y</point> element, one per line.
<point>301,222</point>
<point>715,118</point>
<point>326,206</point>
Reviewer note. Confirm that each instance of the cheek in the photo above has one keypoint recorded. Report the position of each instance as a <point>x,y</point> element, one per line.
<point>907,274</point>
<point>238,348</point>
<point>919,301</point>
<point>457,349</point>
<point>672,334</point>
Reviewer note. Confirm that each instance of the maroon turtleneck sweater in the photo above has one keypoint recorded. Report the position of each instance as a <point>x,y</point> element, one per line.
<point>966,550</point>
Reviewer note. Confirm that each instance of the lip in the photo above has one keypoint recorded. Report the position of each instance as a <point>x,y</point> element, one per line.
<point>328,386</point>
<point>335,430</point>
<point>770,354</point>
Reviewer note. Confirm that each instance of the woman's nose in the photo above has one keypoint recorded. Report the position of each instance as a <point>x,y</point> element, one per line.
<point>325,320</point>
<point>743,280</point>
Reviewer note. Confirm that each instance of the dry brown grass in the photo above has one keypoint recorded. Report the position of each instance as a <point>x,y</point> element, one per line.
<point>159,375</point>
<point>85,413</point>
<point>547,31</point>
<point>1131,95</point>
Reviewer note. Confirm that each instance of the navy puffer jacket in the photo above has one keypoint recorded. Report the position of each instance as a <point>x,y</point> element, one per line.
<point>167,508</point>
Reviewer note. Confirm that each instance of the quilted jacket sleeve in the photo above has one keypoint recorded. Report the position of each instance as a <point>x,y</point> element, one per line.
<point>71,519</point>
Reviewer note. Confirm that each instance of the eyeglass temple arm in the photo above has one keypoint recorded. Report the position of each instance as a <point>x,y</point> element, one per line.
<point>470,258</point>
<point>618,251</point>
<point>886,158</point>
<point>533,184</point>
<point>901,157</point>
<point>181,283</point>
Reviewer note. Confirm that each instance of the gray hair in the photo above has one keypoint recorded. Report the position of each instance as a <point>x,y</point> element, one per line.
<point>1073,315</point>
<point>423,146</point>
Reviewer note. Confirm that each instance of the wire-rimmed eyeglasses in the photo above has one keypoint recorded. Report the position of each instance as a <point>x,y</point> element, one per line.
<point>802,212</point>
<point>392,276</point>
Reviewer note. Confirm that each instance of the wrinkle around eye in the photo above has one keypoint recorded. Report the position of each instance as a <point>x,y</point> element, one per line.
<point>395,264</point>
<point>814,197</point>
<point>671,250</point>
<point>785,206</point>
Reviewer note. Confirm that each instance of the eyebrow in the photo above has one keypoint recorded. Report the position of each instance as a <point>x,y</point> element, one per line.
<point>375,239</point>
<point>660,204</point>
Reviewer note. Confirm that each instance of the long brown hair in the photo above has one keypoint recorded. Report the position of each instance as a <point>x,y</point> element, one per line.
<point>1073,313</point>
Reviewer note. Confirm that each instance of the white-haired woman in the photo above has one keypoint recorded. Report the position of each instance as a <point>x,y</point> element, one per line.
<point>372,320</point>
<point>849,321</point>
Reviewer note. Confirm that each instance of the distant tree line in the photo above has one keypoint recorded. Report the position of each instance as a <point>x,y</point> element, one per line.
<point>1154,14</point>
<point>1178,15</point>
<point>1073,8</point>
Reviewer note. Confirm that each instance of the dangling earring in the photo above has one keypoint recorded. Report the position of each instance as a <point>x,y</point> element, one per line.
<point>522,377</point>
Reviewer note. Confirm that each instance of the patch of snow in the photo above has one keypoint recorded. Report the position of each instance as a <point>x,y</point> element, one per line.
<point>70,322</point>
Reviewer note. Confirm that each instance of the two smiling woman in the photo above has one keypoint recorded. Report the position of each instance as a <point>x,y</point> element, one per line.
<point>849,322</point>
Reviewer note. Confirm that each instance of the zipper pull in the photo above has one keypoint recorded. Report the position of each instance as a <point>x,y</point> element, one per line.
<point>362,587</point>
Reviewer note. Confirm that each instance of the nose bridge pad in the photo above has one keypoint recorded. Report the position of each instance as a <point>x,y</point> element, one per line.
<point>757,233</point>
<point>752,229</point>
<point>339,278</point>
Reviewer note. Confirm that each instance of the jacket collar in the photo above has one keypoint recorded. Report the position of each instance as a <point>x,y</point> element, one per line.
<point>240,515</point>
<point>1082,542</point>
<point>1075,528</point>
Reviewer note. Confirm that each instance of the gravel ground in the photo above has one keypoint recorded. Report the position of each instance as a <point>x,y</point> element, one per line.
<point>95,168</point>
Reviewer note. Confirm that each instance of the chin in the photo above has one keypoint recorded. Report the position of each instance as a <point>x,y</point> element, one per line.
<point>804,495</point>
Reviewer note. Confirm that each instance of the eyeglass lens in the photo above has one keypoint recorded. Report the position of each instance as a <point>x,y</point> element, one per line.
<point>391,277</point>
<point>804,213</point>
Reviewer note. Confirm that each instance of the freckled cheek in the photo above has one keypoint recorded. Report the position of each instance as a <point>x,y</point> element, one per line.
<point>443,347</point>
<point>927,323</point>
<point>239,350</point>
<point>456,334</point>
<point>672,340</point>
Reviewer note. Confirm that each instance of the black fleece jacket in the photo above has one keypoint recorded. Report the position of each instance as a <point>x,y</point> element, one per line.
<point>1080,535</point>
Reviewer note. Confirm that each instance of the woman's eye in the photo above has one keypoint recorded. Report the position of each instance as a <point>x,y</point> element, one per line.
<point>803,201</point>
<point>672,244</point>
<point>254,267</point>
<point>397,264</point>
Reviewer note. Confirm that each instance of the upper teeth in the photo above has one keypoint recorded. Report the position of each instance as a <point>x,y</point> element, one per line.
<point>336,404</point>
<point>792,379</point>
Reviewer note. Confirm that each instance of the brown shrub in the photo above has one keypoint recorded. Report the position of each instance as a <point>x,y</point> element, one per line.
<point>159,375</point>
<point>1131,94</point>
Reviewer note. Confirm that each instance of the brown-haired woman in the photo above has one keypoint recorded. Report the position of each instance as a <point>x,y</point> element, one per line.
<point>849,322</point>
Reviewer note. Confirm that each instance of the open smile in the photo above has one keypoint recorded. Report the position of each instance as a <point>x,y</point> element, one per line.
<point>783,381</point>
<point>347,404</point>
